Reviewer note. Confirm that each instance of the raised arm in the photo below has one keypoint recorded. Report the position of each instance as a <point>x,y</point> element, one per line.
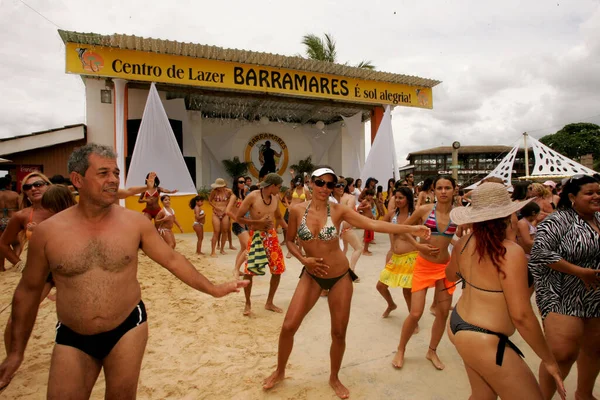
<point>229,209</point>
<point>163,190</point>
<point>25,304</point>
<point>159,251</point>
<point>132,191</point>
<point>359,221</point>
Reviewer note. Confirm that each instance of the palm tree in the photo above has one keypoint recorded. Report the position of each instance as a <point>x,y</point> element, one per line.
<point>304,166</point>
<point>235,167</point>
<point>324,50</point>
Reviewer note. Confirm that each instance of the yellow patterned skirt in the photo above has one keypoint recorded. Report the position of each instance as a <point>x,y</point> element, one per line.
<point>398,272</point>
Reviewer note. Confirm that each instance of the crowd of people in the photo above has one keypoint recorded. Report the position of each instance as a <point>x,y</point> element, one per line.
<point>499,243</point>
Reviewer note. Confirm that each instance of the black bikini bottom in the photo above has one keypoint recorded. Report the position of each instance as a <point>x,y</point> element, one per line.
<point>458,324</point>
<point>100,345</point>
<point>328,283</point>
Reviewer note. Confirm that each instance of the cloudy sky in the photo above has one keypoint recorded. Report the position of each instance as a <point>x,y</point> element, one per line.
<point>506,68</point>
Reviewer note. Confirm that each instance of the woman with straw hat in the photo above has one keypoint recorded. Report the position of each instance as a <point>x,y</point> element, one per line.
<point>218,199</point>
<point>495,301</point>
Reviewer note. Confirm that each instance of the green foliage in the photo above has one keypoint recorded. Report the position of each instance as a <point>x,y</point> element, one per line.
<point>576,140</point>
<point>324,50</point>
<point>303,166</point>
<point>235,167</point>
<point>205,190</point>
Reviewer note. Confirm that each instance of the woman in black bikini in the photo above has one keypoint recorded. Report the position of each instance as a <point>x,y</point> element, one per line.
<point>325,267</point>
<point>495,301</point>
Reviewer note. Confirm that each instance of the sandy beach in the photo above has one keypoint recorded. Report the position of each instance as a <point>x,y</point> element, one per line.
<point>203,348</point>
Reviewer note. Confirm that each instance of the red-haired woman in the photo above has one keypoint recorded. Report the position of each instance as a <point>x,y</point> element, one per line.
<point>495,301</point>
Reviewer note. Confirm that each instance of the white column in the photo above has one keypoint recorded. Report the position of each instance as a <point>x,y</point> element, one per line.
<point>120,121</point>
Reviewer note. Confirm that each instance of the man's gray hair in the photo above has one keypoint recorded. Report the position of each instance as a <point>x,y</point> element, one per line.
<point>79,161</point>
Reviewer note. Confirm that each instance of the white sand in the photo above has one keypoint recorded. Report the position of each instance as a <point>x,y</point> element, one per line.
<point>203,348</point>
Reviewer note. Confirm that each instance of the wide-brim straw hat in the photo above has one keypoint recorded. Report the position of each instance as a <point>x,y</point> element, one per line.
<point>219,182</point>
<point>488,201</point>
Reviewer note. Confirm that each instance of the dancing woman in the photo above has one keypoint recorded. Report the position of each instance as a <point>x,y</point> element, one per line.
<point>427,193</point>
<point>429,270</point>
<point>165,220</point>
<point>398,271</point>
<point>152,195</point>
<point>218,199</point>
<point>347,233</point>
<point>495,301</point>
<point>240,230</point>
<point>196,204</point>
<point>46,200</point>
<point>565,266</point>
<point>325,267</point>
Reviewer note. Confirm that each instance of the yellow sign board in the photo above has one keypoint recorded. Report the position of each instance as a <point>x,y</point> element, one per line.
<point>180,70</point>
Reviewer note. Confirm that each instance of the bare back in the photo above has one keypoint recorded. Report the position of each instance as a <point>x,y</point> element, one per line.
<point>485,308</point>
<point>9,203</point>
<point>94,266</point>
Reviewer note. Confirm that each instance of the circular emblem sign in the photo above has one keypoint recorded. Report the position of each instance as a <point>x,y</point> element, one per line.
<point>266,153</point>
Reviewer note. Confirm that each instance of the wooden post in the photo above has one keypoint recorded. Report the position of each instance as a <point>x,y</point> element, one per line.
<point>376,118</point>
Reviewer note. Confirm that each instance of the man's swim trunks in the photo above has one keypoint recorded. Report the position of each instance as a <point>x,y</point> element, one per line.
<point>100,345</point>
<point>264,250</point>
<point>398,272</point>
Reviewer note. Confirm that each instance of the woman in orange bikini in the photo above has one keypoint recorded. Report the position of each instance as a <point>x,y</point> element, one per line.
<point>151,197</point>
<point>430,270</point>
<point>39,208</point>
<point>218,199</point>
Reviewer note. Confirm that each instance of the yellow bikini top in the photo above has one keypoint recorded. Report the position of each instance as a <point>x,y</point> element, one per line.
<point>296,196</point>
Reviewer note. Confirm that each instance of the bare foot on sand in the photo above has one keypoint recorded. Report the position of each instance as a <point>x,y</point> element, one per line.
<point>324,293</point>
<point>398,361</point>
<point>213,255</point>
<point>201,254</point>
<point>340,390</point>
<point>367,253</point>
<point>388,310</point>
<point>247,310</point>
<point>231,247</point>
<point>288,255</point>
<point>273,380</point>
<point>433,357</point>
<point>223,252</point>
<point>273,307</point>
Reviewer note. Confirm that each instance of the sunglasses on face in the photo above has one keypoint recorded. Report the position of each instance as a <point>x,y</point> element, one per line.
<point>242,182</point>
<point>321,183</point>
<point>340,185</point>
<point>37,184</point>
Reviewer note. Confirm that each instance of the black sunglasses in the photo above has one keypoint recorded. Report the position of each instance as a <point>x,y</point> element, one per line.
<point>37,184</point>
<point>321,183</point>
<point>340,185</point>
<point>244,182</point>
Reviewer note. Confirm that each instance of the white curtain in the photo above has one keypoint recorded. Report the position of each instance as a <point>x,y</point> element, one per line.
<point>382,163</point>
<point>321,141</point>
<point>120,128</point>
<point>156,150</point>
<point>356,132</point>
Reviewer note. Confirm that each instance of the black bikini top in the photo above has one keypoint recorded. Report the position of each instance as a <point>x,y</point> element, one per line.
<point>466,282</point>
